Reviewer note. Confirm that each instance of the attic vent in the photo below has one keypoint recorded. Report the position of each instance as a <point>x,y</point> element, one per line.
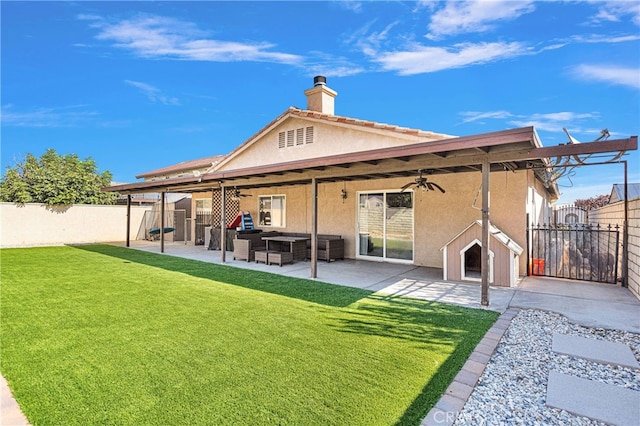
<point>295,137</point>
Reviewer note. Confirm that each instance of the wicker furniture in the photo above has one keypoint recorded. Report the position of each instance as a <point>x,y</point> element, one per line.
<point>262,256</point>
<point>279,257</point>
<point>330,247</point>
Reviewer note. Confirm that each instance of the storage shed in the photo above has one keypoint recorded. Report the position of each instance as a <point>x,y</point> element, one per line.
<point>462,258</point>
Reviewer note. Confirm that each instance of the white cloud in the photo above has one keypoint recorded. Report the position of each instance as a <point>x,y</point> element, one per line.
<point>459,17</point>
<point>555,121</point>
<point>352,5</point>
<point>616,10</point>
<point>550,122</point>
<point>599,38</point>
<point>161,37</point>
<point>608,73</point>
<point>153,93</point>
<point>70,116</point>
<point>424,59</point>
<point>471,116</point>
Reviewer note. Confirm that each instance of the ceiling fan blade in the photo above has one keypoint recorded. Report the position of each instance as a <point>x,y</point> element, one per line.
<point>429,186</point>
<point>438,186</point>
<point>406,186</point>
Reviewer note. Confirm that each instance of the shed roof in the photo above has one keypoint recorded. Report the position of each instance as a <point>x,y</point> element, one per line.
<point>617,192</point>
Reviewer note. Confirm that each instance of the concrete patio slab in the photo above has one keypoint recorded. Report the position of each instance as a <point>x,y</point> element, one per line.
<point>607,403</point>
<point>10,413</point>
<point>594,350</point>
<point>588,312</point>
<point>467,295</point>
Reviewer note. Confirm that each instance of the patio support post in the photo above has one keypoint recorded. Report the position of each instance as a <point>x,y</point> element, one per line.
<point>223,224</point>
<point>162,198</point>
<point>314,228</point>
<point>128,219</point>
<point>486,167</point>
<point>625,232</point>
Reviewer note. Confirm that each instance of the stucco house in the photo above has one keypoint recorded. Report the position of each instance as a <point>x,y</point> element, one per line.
<point>374,184</point>
<point>394,194</point>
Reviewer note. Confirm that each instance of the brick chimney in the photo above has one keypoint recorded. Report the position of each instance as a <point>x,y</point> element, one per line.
<point>320,98</point>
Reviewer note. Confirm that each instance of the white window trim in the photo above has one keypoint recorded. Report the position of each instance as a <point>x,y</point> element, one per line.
<point>284,210</point>
<point>463,276</point>
<point>357,224</point>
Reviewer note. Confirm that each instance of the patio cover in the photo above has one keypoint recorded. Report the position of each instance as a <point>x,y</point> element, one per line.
<point>513,149</point>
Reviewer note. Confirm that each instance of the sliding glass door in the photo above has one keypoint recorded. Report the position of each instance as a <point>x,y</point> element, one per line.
<point>385,225</point>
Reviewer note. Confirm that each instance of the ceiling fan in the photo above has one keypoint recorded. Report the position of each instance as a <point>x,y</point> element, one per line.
<point>422,183</point>
<point>237,194</point>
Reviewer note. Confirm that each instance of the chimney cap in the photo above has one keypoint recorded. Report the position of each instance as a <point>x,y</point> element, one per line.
<point>319,80</point>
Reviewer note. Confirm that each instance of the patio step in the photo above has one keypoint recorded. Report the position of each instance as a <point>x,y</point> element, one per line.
<point>601,351</point>
<point>598,401</point>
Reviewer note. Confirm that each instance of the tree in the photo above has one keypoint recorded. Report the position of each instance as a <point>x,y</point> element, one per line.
<point>593,202</point>
<point>56,180</point>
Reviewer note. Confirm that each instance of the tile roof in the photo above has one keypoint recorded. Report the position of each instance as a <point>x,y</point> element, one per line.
<point>303,113</point>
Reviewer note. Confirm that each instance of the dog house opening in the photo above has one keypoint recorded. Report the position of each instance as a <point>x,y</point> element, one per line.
<point>473,262</point>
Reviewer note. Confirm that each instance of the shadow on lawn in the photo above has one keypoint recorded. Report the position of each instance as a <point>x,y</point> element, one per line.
<point>298,288</point>
<point>435,326</point>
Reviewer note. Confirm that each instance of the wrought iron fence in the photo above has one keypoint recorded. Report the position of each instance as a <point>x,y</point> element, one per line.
<point>577,251</point>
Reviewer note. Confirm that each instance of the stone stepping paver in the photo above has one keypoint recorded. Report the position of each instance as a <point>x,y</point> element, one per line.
<point>595,350</point>
<point>596,400</point>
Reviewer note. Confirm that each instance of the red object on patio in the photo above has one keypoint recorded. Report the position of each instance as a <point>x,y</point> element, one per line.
<point>537,266</point>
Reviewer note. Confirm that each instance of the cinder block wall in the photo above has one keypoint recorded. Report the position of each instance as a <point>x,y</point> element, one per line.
<point>38,225</point>
<point>614,214</point>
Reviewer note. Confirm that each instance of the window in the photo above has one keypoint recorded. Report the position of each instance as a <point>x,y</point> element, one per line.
<point>272,209</point>
<point>385,225</point>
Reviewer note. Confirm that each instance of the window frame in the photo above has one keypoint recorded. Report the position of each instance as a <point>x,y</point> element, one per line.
<point>283,210</point>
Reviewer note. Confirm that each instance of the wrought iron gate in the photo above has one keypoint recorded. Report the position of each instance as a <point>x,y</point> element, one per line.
<point>203,219</point>
<point>577,251</point>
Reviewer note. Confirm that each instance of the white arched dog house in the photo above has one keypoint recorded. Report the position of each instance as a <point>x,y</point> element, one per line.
<point>462,259</point>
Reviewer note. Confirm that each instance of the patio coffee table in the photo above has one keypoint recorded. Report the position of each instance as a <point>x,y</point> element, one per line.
<point>297,245</point>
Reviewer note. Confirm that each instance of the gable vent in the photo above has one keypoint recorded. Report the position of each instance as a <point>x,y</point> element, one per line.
<point>290,138</point>
<point>296,137</point>
<point>300,136</point>
<point>309,136</point>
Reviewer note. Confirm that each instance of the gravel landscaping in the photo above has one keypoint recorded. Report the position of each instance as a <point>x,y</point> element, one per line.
<point>512,389</point>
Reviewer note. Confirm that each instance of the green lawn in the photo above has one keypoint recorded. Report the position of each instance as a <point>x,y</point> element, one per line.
<point>107,335</point>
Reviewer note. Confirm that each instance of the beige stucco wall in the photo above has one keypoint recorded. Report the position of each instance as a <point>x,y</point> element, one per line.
<point>614,214</point>
<point>438,217</point>
<point>38,225</point>
<point>331,139</point>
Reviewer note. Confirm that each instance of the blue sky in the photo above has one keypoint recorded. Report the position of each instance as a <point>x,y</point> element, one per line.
<point>142,85</point>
